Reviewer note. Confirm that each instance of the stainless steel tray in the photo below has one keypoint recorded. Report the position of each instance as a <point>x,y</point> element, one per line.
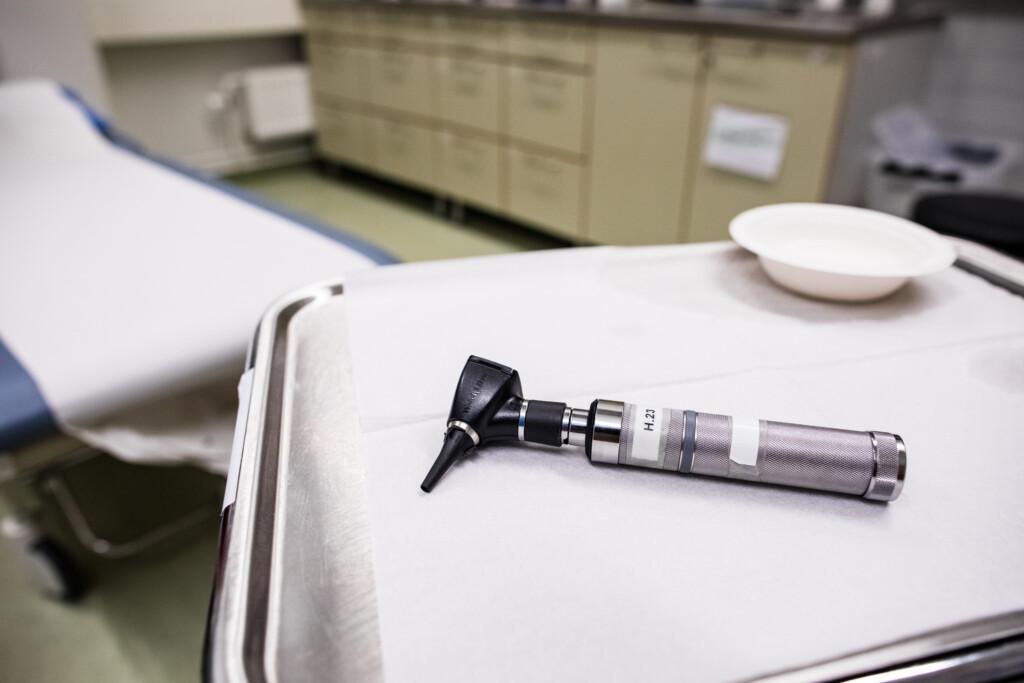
<point>294,594</point>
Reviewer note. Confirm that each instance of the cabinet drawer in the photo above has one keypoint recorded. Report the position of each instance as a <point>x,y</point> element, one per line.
<point>477,33</point>
<point>566,42</point>
<point>544,191</point>
<point>404,151</point>
<point>471,169</point>
<point>766,66</point>
<point>343,135</point>
<point>468,91</point>
<point>403,24</point>
<point>663,57</point>
<point>546,107</point>
<point>338,70</point>
<point>328,24</point>
<point>401,81</point>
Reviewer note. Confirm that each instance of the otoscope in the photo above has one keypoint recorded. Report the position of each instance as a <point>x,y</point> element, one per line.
<point>489,406</point>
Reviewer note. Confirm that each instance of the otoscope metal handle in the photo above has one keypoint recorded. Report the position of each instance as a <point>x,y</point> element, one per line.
<point>868,464</point>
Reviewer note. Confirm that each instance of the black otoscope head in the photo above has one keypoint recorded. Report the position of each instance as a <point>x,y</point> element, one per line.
<point>485,408</point>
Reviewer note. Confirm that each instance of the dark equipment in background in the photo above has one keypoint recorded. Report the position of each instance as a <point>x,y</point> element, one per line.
<point>994,220</point>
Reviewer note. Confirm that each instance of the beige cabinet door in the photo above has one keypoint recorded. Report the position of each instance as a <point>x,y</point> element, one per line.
<point>549,41</point>
<point>544,191</point>
<point>546,107</point>
<point>471,169</point>
<point>801,82</point>
<point>644,98</point>
<point>401,80</point>
<point>468,89</point>
<point>404,151</point>
<point>343,135</point>
<point>338,70</point>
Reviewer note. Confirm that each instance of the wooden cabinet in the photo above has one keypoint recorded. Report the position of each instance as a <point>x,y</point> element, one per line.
<point>549,41</point>
<point>547,107</point>
<point>595,132</point>
<point>471,169</point>
<point>402,81</point>
<point>468,91</point>
<point>405,151</point>
<point>343,135</point>
<point>801,82</point>
<point>339,71</point>
<point>544,190</point>
<point>644,85</point>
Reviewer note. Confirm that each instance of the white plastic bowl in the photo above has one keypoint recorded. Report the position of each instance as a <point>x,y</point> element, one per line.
<point>838,252</point>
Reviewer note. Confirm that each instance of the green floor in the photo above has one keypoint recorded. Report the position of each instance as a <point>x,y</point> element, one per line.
<point>402,222</point>
<point>144,619</point>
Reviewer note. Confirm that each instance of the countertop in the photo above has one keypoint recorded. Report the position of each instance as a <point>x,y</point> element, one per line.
<point>806,24</point>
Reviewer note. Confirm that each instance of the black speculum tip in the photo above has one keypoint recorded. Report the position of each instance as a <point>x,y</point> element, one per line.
<point>456,444</point>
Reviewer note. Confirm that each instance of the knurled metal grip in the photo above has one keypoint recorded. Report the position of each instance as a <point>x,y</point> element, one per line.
<point>868,464</point>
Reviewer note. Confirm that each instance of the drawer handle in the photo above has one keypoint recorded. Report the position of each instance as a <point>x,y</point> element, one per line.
<point>735,77</point>
<point>539,101</point>
<point>465,147</point>
<point>393,74</point>
<point>544,191</point>
<point>676,74</point>
<point>395,132</point>
<point>542,61</point>
<point>468,166</point>
<point>465,68</point>
<point>467,88</point>
<point>544,80</point>
<point>751,50</point>
<point>549,32</point>
<point>669,44</point>
<point>537,164</point>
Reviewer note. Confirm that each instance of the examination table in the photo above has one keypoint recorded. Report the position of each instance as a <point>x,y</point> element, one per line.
<point>128,289</point>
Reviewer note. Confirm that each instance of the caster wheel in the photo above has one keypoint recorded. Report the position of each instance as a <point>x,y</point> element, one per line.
<point>56,573</point>
<point>47,565</point>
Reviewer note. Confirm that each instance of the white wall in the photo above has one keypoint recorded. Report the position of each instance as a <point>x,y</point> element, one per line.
<point>51,39</point>
<point>977,78</point>
<point>159,94</point>
<point>164,59</point>
<point>888,69</point>
<point>151,64</point>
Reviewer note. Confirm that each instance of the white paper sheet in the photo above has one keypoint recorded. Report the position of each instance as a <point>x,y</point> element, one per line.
<point>532,564</point>
<point>746,142</point>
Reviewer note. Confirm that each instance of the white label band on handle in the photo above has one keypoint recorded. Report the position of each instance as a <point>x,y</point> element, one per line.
<point>746,441</point>
<point>646,434</point>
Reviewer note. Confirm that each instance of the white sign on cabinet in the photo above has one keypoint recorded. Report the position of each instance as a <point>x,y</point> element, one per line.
<point>746,142</point>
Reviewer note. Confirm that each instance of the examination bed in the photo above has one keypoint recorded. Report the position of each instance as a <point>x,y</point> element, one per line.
<point>126,280</point>
<point>129,286</point>
<point>529,563</point>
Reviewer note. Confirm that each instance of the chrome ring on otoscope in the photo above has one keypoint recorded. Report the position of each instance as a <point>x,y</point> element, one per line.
<point>522,420</point>
<point>459,424</point>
